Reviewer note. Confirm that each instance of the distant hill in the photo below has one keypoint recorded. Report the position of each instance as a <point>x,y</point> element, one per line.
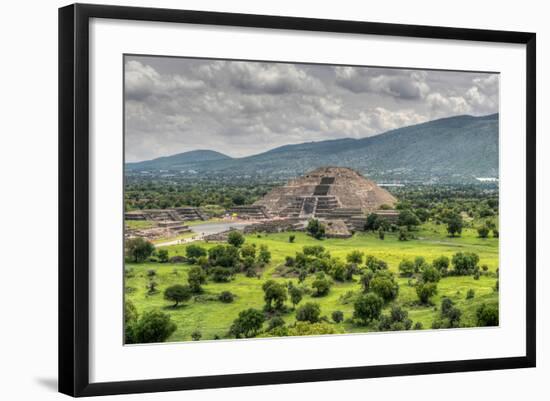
<point>454,149</point>
<point>179,161</point>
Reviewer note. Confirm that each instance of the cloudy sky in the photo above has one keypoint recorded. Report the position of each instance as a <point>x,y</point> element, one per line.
<point>239,108</point>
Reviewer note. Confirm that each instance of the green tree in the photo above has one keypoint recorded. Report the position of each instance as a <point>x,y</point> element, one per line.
<point>275,322</point>
<point>406,268</point>
<point>338,316</point>
<point>384,285</point>
<point>381,233</point>
<point>296,295</point>
<point>367,308</point>
<point>221,274</point>
<point>408,219</point>
<point>309,312</point>
<point>321,285</point>
<point>130,320</point>
<point>138,249</point>
<point>291,238</point>
<point>425,291</point>
<point>315,229</point>
<point>196,277</point>
<point>226,297</point>
<point>153,327</point>
<point>247,324</point>
<point>454,225</point>
<point>193,252</point>
<point>235,238</point>
<point>483,232</point>
<point>430,274</point>
<point>487,315</point>
<point>365,280</point>
<point>196,335</point>
<point>224,256</point>
<point>162,255</point>
<point>275,295</point>
<point>264,256</point>
<point>465,263</point>
<point>441,263</point>
<point>248,251</point>
<point>355,257</point>
<point>177,293</point>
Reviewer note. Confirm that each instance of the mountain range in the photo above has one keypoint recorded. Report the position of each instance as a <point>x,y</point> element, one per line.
<point>447,150</point>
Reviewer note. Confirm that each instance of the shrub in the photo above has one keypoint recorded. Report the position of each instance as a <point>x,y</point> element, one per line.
<point>375,264</point>
<point>196,277</point>
<point>196,335</point>
<point>224,256</point>
<point>418,326</point>
<point>221,274</point>
<point>381,233</point>
<point>248,251</point>
<point>274,295</point>
<point>309,312</point>
<point>408,219</point>
<point>289,261</point>
<point>406,268</point>
<point>152,287</point>
<point>295,295</point>
<point>397,320</point>
<point>226,297</point>
<point>454,225</point>
<point>441,263</point>
<point>338,270</point>
<point>291,238</point>
<point>130,320</point>
<point>177,293</point>
<point>315,229</point>
<point>153,327</point>
<point>465,263</point>
<point>151,273</point>
<point>247,324</point>
<point>487,315</point>
<point>264,257</point>
<point>321,286</point>
<point>470,294</point>
<point>275,322</point>
<point>430,274</point>
<point>162,255</point>
<point>403,235</point>
<point>235,238</point>
<point>367,308</point>
<point>495,233</point>
<point>338,316</point>
<point>385,286</point>
<point>483,232</point>
<point>365,280</point>
<point>355,257</point>
<point>425,291</point>
<point>193,252</point>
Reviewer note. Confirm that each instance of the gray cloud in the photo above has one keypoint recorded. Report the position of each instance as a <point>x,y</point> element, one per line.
<point>240,108</point>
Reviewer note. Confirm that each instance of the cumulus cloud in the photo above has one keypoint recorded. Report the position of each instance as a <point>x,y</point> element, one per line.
<point>242,108</point>
<point>402,84</point>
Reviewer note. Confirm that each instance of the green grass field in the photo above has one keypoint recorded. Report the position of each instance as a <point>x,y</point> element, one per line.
<point>213,318</point>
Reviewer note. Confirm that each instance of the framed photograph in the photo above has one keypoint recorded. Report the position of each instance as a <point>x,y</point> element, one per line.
<point>250,199</point>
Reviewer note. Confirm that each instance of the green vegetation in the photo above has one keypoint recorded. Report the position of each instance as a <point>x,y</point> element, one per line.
<point>363,265</point>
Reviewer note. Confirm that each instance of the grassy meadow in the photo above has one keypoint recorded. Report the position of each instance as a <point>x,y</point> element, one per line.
<point>213,318</point>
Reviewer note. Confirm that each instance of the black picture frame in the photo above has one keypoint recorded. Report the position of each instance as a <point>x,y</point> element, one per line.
<point>74,198</point>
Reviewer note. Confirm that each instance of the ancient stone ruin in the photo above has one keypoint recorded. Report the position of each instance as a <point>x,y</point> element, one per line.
<point>175,214</point>
<point>331,193</point>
